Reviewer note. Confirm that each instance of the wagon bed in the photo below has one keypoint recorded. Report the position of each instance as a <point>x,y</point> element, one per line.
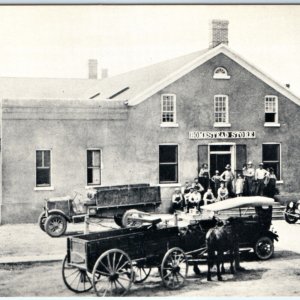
<point>129,254</point>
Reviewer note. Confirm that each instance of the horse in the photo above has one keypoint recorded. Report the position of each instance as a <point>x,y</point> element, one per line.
<point>220,239</point>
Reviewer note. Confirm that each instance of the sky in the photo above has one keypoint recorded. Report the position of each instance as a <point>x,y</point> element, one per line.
<point>57,41</point>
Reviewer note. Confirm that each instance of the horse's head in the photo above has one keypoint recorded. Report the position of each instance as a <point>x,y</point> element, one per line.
<point>217,221</point>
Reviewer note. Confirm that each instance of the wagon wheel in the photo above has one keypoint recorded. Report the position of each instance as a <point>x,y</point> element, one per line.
<point>42,220</point>
<point>264,248</point>
<point>112,273</point>
<point>126,222</point>
<point>174,268</point>
<point>141,273</point>
<point>76,280</point>
<point>56,225</point>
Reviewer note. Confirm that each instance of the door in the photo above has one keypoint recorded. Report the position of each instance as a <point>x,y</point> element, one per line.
<point>219,157</point>
<point>219,162</point>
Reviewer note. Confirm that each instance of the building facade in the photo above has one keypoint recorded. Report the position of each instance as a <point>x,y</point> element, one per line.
<point>155,125</point>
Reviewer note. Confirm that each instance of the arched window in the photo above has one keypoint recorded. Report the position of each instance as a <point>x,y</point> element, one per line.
<point>221,73</point>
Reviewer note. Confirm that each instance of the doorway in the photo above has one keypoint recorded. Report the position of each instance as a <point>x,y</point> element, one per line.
<point>219,157</point>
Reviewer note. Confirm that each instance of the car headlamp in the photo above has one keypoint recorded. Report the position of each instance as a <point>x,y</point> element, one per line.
<point>92,211</point>
<point>291,204</point>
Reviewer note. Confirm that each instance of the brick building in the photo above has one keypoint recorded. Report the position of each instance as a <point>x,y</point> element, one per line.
<point>156,125</point>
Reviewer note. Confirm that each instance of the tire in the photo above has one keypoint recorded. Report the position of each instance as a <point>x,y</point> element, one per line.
<point>174,268</point>
<point>264,248</point>
<point>76,280</point>
<point>118,220</point>
<point>42,220</point>
<point>141,273</point>
<point>56,225</point>
<point>112,273</point>
<point>290,219</point>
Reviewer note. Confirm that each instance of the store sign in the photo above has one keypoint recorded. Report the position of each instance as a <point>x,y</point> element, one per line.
<point>203,135</point>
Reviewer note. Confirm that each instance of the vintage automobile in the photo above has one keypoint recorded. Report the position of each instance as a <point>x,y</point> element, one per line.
<point>111,261</point>
<point>255,232</point>
<point>104,202</point>
<point>292,212</point>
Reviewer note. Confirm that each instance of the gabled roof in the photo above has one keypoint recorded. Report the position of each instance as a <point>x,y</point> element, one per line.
<point>137,81</point>
<point>138,85</point>
<point>44,88</point>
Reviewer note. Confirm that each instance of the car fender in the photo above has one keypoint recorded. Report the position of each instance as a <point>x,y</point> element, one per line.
<point>272,235</point>
<point>59,212</point>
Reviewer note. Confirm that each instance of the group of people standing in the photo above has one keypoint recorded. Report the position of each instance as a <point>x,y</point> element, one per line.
<point>205,189</point>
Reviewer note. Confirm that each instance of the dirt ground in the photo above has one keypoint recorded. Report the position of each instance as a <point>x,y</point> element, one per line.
<point>280,276</point>
<point>277,277</point>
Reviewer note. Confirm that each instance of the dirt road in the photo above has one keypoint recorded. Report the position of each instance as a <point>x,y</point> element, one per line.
<point>279,276</point>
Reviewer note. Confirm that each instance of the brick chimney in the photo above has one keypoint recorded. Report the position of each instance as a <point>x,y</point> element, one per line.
<point>93,69</point>
<point>218,33</point>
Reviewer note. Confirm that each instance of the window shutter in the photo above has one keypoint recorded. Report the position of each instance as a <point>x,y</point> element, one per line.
<point>241,157</point>
<point>202,155</point>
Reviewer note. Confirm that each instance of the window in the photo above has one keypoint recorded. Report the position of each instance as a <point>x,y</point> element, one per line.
<point>271,158</point>
<point>94,167</point>
<point>43,168</point>
<point>221,110</point>
<point>221,73</point>
<point>168,164</point>
<point>168,109</point>
<point>271,109</point>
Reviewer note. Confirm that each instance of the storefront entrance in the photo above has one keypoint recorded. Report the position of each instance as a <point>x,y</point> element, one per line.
<point>219,157</point>
<point>219,162</point>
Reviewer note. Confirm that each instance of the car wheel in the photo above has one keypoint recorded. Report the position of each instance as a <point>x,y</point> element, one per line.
<point>118,220</point>
<point>56,225</point>
<point>264,248</point>
<point>290,219</point>
<point>42,220</point>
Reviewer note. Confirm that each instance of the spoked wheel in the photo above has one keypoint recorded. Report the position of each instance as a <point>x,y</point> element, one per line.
<point>42,220</point>
<point>76,280</point>
<point>112,273</point>
<point>174,268</point>
<point>290,219</point>
<point>56,225</point>
<point>140,273</point>
<point>264,248</point>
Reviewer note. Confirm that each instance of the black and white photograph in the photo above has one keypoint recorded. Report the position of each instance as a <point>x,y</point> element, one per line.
<point>150,150</point>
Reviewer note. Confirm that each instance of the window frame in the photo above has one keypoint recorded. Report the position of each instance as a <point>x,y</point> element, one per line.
<point>275,123</point>
<point>279,180</point>
<point>88,185</point>
<point>50,185</point>
<point>226,123</point>
<point>222,75</point>
<point>168,124</point>
<point>169,183</point>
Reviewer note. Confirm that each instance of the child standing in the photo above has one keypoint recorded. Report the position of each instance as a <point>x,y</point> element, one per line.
<point>239,186</point>
<point>216,182</point>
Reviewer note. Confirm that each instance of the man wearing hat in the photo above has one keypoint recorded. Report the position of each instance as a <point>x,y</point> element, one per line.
<point>177,200</point>
<point>227,176</point>
<point>260,176</point>
<point>249,174</point>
